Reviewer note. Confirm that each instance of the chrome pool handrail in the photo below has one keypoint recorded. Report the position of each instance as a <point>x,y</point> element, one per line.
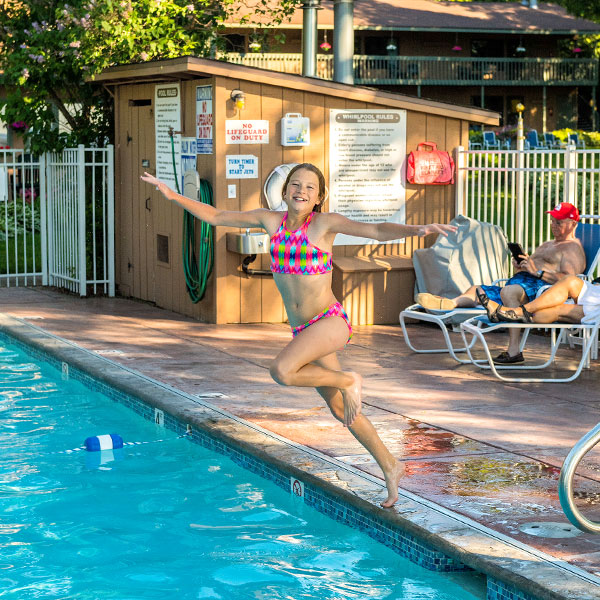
<point>565,481</point>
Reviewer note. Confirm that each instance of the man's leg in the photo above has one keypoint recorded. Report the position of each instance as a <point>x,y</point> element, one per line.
<point>513,296</point>
<point>432,302</point>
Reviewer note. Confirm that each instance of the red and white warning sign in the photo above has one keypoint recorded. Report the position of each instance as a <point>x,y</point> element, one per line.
<point>296,487</point>
<point>247,131</point>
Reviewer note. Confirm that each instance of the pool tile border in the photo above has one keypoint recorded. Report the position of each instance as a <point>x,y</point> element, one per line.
<point>438,546</point>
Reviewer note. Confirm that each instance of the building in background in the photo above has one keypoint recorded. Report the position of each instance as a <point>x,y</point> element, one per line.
<point>485,54</point>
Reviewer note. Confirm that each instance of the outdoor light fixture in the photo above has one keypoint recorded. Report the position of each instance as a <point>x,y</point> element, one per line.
<point>239,99</point>
<point>254,44</point>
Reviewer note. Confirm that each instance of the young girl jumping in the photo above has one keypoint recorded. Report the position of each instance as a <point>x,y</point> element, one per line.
<point>301,251</point>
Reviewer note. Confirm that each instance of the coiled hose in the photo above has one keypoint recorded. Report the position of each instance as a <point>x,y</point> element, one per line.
<point>196,268</point>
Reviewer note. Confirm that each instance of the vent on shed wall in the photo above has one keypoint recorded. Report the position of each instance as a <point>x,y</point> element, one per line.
<point>162,248</point>
<point>142,102</point>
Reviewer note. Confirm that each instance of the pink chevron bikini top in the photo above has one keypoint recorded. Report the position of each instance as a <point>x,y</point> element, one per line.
<point>292,252</point>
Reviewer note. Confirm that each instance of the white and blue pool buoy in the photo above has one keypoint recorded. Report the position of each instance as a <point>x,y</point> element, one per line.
<point>110,441</point>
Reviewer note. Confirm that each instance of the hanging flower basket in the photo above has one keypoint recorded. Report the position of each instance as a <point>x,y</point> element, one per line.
<point>19,126</point>
<point>325,46</point>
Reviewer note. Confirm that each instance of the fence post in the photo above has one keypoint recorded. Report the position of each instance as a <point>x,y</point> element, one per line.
<point>81,219</point>
<point>110,187</point>
<point>459,191</point>
<point>520,187</point>
<point>43,219</point>
<point>570,190</point>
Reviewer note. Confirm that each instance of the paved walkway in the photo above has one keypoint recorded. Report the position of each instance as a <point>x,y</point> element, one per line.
<point>485,449</point>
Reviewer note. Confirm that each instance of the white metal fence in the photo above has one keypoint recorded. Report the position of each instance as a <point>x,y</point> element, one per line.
<point>57,219</point>
<point>515,188</point>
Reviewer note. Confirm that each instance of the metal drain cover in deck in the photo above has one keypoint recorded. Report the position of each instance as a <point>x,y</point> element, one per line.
<point>550,529</point>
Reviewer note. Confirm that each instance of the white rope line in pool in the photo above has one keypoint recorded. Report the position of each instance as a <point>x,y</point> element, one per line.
<point>117,443</point>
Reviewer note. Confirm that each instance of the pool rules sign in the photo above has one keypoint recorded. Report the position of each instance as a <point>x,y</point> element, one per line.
<point>367,150</point>
<point>167,118</point>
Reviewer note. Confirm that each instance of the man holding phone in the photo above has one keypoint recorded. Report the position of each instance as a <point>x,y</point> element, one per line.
<point>551,262</point>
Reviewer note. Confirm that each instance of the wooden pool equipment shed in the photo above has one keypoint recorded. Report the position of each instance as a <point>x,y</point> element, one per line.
<point>234,115</point>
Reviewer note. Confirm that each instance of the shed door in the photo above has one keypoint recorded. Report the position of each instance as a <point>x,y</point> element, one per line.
<point>137,199</point>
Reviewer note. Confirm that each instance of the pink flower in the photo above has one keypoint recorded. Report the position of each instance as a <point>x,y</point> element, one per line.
<point>457,48</point>
<point>75,44</point>
<point>577,50</point>
<point>144,55</point>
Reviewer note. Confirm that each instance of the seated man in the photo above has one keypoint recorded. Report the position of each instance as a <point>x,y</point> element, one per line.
<point>551,262</point>
<point>550,305</point>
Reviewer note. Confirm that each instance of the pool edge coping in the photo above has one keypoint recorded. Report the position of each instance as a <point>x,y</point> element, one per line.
<point>510,563</point>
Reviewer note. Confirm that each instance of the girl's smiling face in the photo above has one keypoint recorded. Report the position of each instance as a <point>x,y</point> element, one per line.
<point>302,191</point>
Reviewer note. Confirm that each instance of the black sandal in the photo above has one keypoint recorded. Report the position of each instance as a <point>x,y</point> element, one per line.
<point>508,315</point>
<point>484,300</point>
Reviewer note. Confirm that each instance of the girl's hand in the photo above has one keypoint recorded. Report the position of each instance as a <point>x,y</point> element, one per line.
<point>155,181</point>
<point>436,228</point>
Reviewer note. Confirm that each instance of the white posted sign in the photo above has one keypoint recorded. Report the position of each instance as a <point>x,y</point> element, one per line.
<point>167,115</point>
<point>367,151</point>
<point>247,132</point>
<point>241,166</point>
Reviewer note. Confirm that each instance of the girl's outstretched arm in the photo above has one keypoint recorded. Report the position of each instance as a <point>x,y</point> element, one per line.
<point>384,231</point>
<point>206,212</point>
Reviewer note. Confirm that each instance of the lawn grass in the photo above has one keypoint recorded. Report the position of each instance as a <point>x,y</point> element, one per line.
<point>9,263</point>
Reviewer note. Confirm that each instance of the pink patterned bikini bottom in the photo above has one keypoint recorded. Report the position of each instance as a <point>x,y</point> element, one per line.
<point>334,310</point>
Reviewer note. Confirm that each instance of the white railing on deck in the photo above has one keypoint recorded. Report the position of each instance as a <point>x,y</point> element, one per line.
<point>514,189</point>
<point>437,70</point>
<point>70,223</point>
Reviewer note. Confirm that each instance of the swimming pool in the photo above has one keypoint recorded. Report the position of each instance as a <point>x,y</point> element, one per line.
<point>168,519</point>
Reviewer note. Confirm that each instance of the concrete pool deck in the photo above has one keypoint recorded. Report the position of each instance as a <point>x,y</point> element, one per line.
<point>478,447</point>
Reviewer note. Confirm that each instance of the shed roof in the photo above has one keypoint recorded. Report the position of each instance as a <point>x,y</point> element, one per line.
<point>191,67</point>
<point>431,15</point>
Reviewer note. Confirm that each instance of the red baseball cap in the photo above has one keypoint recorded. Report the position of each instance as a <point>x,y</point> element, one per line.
<point>564,210</point>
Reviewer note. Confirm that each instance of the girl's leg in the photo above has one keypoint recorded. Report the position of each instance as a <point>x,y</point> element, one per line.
<point>296,363</point>
<point>362,429</point>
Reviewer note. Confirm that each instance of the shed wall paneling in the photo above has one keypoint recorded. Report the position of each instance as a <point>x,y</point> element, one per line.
<point>226,263</point>
<point>204,310</point>
<point>272,310</point>
<point>434,194</point>
<point>125,241</point>
<point>122,278</point>
<point>249,198</point>
<point>145,150</point>
<point>416,132</point>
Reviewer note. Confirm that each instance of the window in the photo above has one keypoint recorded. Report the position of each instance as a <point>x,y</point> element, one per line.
<point>493,48</point>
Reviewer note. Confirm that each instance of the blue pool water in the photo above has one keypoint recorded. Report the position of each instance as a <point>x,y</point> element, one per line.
<point>163,520</point>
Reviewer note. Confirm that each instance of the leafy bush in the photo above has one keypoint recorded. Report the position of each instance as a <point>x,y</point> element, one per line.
<point>18,218</point>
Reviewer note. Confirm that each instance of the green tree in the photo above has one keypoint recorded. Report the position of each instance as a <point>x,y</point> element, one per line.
<point>51,51</point>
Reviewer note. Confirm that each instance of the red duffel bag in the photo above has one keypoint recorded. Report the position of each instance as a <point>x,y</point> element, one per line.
<point>429,165</point>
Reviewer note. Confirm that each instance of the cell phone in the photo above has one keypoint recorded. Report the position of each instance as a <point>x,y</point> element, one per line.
<point>516,250</point>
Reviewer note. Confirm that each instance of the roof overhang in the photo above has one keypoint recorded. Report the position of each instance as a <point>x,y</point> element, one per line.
<point>191,67</point>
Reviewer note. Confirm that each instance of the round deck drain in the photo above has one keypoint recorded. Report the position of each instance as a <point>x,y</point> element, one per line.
<point>550,529</point>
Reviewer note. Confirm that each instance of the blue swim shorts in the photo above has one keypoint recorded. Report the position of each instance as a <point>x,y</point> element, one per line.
<point>530,283</point>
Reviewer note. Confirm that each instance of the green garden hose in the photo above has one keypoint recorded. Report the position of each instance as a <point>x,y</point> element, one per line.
<point>196,268</point>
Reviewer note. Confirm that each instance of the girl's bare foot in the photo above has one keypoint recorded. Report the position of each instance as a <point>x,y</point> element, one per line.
<point>392,479</point>
<point>352,399</point>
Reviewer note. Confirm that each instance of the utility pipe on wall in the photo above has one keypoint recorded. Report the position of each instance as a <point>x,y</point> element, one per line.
<point>343,41</point>
<point>309,37</point>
